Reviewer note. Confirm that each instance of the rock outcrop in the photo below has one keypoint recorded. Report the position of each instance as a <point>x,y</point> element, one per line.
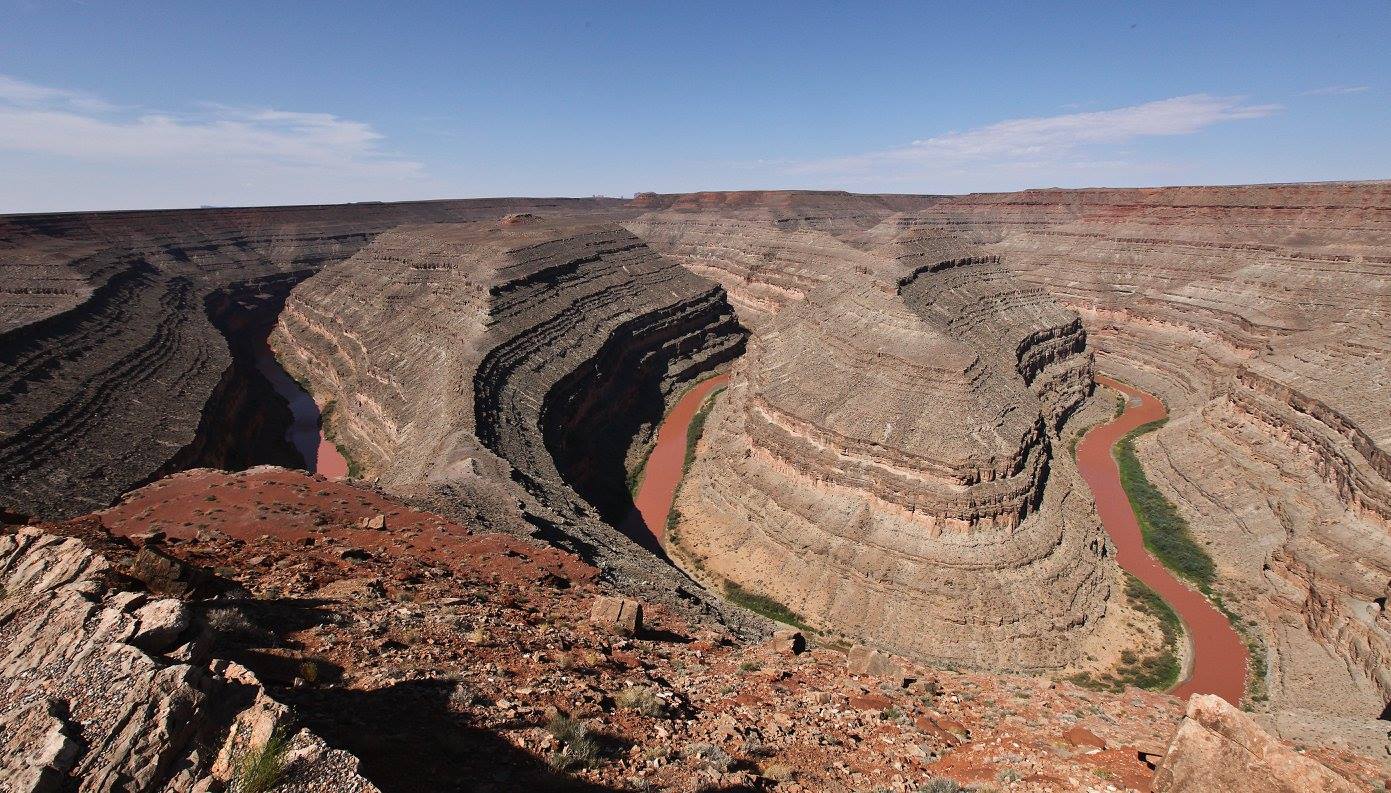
<point>1218,748</point>
<point>108,689</point>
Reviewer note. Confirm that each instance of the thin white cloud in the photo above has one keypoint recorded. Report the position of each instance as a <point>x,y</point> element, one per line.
<point>1338,90</point>
<point>1072,140</point>
<point>239,155</point>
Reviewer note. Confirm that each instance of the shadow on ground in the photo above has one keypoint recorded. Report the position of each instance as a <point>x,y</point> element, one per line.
<point>410,740</point>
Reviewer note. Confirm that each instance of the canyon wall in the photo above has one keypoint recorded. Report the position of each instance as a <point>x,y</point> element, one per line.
<point>522,360</point>
<point>107,354</point>
<point>883,461</point>
<point>1262,315</point>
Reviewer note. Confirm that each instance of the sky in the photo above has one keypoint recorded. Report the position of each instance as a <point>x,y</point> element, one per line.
<point>117,105</point>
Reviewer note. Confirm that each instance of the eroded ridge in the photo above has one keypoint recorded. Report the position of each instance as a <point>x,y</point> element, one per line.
<point>517,361</point>
<point>110,365</point>
<point>1259,315</point>
<point>883,461</point>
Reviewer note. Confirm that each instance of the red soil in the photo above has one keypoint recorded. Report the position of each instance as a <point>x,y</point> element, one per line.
<point>324,517</point>
<point>1218,654</point>
<point>667,463</point>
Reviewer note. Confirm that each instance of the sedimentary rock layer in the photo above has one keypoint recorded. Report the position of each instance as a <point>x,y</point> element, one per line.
<point>1260,315</point>
<point>883,460</point>
<point>469,358</point>
<point>107,354</point>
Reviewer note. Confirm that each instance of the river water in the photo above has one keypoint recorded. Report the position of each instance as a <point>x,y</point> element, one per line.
<point>665,465</point>
<point>1218,659</point>
<point>320,454</point>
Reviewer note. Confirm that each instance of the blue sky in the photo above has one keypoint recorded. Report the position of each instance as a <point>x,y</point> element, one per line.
<point>125,105</point>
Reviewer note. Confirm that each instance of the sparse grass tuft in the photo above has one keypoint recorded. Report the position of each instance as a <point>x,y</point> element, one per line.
<point>642,699</point>
<point>941,784</point>
<point>580,750</point>
<point>262,767</point>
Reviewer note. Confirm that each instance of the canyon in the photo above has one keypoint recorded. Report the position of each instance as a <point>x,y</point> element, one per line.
<point>890,459</point>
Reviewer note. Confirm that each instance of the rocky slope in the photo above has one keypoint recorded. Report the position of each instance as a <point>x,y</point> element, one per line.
<point>407,652</point>
<point>522,360</point>
<point>1259,314</point>
<point>108,358</point>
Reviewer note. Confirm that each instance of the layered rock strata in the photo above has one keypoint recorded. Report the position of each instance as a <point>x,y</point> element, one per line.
<point>107,355</point>
<point>1259,314</point>
<point>521,360</point>
<point>883,461</point>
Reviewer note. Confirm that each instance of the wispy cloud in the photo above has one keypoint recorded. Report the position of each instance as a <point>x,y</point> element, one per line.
<point>1074,140</point>
<point>247,155</point>
<point>1337,90</point>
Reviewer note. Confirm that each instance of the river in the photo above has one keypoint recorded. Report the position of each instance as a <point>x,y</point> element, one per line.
<point>306,434</point>
<point>666,464</point>
<point>1217,664</point>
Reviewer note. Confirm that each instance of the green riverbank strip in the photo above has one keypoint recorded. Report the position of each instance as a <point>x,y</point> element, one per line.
<point>1166,533</point>
<point>1168,536</point>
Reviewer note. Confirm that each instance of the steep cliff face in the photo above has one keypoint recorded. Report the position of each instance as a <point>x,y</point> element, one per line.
<point>521,358</point>
<point>107,355</point>
<point>883,461</point>
<point>1259,314</point>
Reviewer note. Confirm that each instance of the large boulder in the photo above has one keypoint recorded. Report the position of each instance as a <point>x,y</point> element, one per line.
<point>619,615</point>
<point>1218,748</point>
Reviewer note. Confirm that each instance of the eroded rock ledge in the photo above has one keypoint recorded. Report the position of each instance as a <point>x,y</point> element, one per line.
<point>103,688</point>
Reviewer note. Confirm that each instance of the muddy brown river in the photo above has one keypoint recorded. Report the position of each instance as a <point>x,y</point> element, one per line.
<point>665,464</point>
<point>1218,656</point>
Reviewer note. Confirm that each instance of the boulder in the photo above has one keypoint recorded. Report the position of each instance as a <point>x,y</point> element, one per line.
<point>1218,748</point>
<point>620,615</point>
<point>1083,738</point>
<point>159,625</point>
<point>787,642</point>
<point>165,574</point>
<point>864,660</point>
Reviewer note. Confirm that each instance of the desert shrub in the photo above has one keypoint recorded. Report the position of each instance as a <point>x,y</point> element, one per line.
<point>762,604</point>
<point>232,624</point>
<point>261,767</point>
<point>642,699</point>
<point>941,784</point>
<point>580,750</point>
<point>709,755</point>
<point>1166,533</point>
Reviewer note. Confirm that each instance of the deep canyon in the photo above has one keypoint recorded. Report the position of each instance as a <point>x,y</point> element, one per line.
<point>891,457</point>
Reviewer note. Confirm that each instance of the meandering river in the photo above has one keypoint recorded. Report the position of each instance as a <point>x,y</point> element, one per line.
<point>1217,661</point>
<point>1218,658</point>
<point>665,465</point>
